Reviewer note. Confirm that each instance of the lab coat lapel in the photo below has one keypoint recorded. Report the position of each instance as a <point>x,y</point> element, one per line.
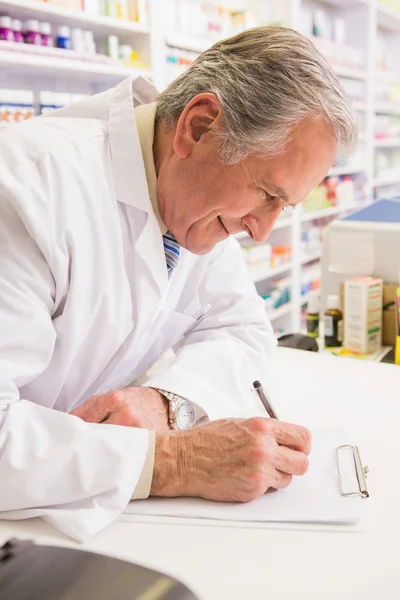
<point>130,176</point>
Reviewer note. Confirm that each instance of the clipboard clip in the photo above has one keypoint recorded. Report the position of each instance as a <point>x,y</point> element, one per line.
<point>361,472</point>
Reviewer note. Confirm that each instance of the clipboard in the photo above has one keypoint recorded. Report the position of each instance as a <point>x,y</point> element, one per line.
<point>331,494</point>
<point>360,470</point>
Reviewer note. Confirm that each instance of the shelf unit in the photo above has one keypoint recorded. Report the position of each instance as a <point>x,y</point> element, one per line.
<point>387,143</point>
<point>386,182</point>
<point>367,21</point>
<point>262,273</point>
<point>44,69</point>
<point>363,18</point>
<point>282,311</point>
<point>333,211</point>
<point>54,14</point>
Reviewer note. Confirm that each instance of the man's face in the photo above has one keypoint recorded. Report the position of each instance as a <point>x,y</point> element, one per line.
<point>202,202</point>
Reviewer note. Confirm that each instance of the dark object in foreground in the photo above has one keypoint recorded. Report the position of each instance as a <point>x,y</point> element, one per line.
<point>30,571</point>
<point>298,341</point>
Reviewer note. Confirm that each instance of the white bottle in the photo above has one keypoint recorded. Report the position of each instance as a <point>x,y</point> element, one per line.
<point>78,43</point>
<point>91,7</point>
<point>90,46</point>
<point>112,47</point>
<point>16,26</point>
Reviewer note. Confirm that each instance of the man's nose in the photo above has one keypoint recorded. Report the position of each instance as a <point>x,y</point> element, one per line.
<point>262,227</point>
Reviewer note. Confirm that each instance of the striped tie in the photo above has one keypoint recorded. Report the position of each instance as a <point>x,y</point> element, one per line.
<point>171,249</point>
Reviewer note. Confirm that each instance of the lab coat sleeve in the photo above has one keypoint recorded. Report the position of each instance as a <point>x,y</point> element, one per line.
<point>217,363</point>
<point>76,476</point>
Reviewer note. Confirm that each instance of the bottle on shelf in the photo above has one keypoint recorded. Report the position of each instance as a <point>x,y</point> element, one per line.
<point>16,25</point>
<point>47,37</point>
<point>312,316</point>
<point>31,32</point>
<point>6,31</point>
<point>90,46</point>
<point>125,53</point>
<point>333,322</point>
<point>112,47</point>
<point>77,40</point>
<point>64,37</point>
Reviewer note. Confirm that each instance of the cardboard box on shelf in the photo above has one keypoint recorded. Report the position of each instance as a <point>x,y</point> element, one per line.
<point>389,323</point>
<point>363,309</point>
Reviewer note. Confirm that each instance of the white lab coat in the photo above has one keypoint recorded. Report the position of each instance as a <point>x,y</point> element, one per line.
<point>86,306</point>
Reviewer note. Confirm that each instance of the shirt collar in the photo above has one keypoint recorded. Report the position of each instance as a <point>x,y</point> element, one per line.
<point>145,122</point>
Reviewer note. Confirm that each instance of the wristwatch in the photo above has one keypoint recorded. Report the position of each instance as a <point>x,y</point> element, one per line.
<point>181,413</point>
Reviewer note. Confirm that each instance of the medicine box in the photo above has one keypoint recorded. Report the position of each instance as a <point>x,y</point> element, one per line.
<point>363,314</point>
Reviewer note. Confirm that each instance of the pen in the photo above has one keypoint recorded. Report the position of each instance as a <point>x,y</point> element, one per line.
<point>264,399</point>
<point>199,316</point>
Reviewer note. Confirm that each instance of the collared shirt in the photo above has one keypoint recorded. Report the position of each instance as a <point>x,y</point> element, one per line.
<point>145,121</point>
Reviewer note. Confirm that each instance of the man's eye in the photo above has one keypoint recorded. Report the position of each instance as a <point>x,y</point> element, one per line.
<point>269,197</point>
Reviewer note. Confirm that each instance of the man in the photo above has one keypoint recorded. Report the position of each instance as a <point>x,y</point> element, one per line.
<point>114,230</point>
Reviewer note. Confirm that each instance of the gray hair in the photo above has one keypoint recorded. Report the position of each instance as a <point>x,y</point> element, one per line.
<point>267,79</point>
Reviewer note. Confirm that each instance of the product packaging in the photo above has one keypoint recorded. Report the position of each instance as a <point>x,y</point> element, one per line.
<point>363,314</point>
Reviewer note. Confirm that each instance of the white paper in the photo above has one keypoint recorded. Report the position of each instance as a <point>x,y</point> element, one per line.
<point>313,498</point>
<point>351,253</point>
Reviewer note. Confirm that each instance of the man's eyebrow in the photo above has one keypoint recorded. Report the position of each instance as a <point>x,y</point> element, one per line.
<point>277,191</point>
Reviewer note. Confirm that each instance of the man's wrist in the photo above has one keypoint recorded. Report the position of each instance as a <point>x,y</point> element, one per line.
<point>172,464</point>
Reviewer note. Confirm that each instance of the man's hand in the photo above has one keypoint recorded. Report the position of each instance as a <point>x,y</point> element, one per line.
<point>230,460</point>
<point>133,407</point>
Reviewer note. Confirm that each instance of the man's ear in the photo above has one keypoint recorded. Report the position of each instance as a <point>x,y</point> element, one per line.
<point>201,116</point>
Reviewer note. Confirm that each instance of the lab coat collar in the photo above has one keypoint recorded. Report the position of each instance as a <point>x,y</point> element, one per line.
<point>130,175</point>
<point>127,159</point>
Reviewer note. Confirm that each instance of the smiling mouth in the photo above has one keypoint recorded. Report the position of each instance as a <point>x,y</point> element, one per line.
<point>220,220</point>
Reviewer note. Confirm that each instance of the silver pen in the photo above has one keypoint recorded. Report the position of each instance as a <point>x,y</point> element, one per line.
<point>199,317</point>
<point>265,399</point>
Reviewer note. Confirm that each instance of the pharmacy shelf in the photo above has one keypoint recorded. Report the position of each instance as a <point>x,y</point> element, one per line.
<point>306,258</point>
<point>386,182</point>
<point>305,298</point>
<point>191,43</point>
<point>359,106</point>
<point>344,4</point>
<point>58,15</point>
<point>350,170</point>
<point>41,65</point>
<point>283,310</point>
<point>265,273</point>
<point>388,18</point>
<point>348,73</point>
<point>387,109</point>
<point>329,212</point>
<point>283,223</point>
<point>387,143</point>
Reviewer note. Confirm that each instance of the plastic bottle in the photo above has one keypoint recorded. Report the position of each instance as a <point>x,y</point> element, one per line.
<point>78,43</point>
<point>312,317</point>
<point>90,46</point>
<point>6,32</point>
<point>64,38</point>
<point>333,322</point>
<point>125,53</point>
<point>112,47</point>
<point>45,32</point>
<point>17,29</point>
<point>32,35</point>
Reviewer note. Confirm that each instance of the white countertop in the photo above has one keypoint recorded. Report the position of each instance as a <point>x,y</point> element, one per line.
<point>219,562</point>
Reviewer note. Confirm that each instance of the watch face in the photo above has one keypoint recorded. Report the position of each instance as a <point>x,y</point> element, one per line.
<point>184,415</point>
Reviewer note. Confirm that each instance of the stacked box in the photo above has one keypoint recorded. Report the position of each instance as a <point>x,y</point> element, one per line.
<point>363,314</point>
